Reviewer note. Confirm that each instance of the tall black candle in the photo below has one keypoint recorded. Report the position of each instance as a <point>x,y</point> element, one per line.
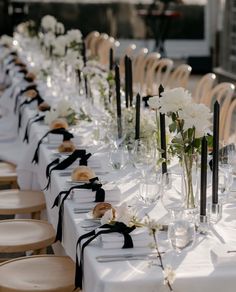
<point>137,120</point>
<point>111,59</point>
<point>215,153</point>
<point>203,177</point>
<point>163,135</point>
<point>126,82</point>
<point>118,100</point>
<point>130,74</point>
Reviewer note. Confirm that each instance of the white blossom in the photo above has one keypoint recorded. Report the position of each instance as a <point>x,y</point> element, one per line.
<point>107,217</point>
<point>153,102</point>
<point>74,36</point>
<point>174,100</point>
<point>63,108</point>
<point>6,40</point>
<point>59,46</point>
<point>60,29</point>
<point>197,116</point>
<point>169,275</point>
<point>50,116</point>
<point>48,23</point>
<point>124,214</point>
<point>49,39</point>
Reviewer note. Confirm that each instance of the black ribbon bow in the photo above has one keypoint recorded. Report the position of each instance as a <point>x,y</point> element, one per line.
<point>117,227</point>
<point>146,99</point>
<point>61,131</point>
<point>31,121</point>
<point>29,87</point>
<point>37,98</point>
<point>93,185</point>
<point>78,153</point>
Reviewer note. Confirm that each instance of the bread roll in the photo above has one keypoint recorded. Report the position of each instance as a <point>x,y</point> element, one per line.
<point>82,173</point>
<point>66,146</point>
<point>31,93</point>
<point>59,123</point>
<point>44,106</point>
<point>31,76</point>
<point>100,209</point>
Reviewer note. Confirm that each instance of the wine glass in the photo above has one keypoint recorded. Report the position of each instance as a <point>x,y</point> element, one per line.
<point>144,157</point>
<point>181,234</point>
<point>118,157</point>
<point>172,196</point>
<point>150,189</point>
<point>115,135</point>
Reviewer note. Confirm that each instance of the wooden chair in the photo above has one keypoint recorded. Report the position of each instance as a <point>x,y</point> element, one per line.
<point>138,65</point>
<point>222,92</point>
<point>104,51</point>
<point>8,175</point>
<point>90,39</point>
<point>93,45</point>
<point>22,202</point>
<point>158,74</point>
<point>227,137</point>
<point>179,77</point>
<point>22,235</point>
<point>43,273</point>
<point>203,87</point>
<point>150,59</point>
<point>103,37</point>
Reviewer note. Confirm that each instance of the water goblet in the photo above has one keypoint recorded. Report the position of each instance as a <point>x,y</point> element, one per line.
<point>118,157</point>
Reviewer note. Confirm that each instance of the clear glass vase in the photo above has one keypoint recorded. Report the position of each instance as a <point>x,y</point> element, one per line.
<point>190,181</point>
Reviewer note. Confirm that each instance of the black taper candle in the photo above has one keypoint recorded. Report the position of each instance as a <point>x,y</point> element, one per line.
<point>215,153</point>
<point>137,120</point>
<point>203,177</point>
<point>130,74</point>
<point>163,135</point>
<point>126,82</point>
<point>111,59</point>
<point>118,100</point>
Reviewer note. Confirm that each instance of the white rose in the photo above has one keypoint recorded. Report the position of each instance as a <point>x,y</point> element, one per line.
<point>50,116</point>
<point>60,29</point>
<point>6,40</point>
<point>123,214</point>
<point>198,116</point>
<point>59,46</point>
<point>153,102</point>
<point>174,100</point>
<point>74,35</point>
<point>63,108</point>
<point>107,217</point>
<point>48,23</point>
<point>49,39</point>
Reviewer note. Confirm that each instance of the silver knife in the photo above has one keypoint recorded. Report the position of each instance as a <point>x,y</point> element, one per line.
<point>125,257</point>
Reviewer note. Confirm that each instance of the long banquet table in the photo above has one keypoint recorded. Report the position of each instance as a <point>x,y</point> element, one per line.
<point>206,267</point>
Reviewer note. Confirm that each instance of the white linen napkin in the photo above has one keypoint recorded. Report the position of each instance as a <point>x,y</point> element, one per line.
<point>140,237</point>
<point>112,194</point>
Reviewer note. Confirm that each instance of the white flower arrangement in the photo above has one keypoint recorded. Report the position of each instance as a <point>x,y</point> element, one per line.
<point>49,39</point>
<point>74,59</point>
<point>60,29</point>
<point>48,23</point>
<point>64,109</point>
<point>74,39</point>
<point>6,40</point>
<point>59,46</point>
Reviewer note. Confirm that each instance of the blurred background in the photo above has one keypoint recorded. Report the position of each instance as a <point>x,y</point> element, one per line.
<point>199,32</point>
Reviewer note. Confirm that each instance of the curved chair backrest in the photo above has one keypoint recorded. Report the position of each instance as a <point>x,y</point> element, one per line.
<point>150,59</point>
<point>104,49</point>
<point>138,62</point>
<point>158,74</point>
<point>203,87</point>
<point>91,42</point>
<point>103,37</point>
<point>223,93</point>
<point>229,121</point>
<point>179,77</point>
